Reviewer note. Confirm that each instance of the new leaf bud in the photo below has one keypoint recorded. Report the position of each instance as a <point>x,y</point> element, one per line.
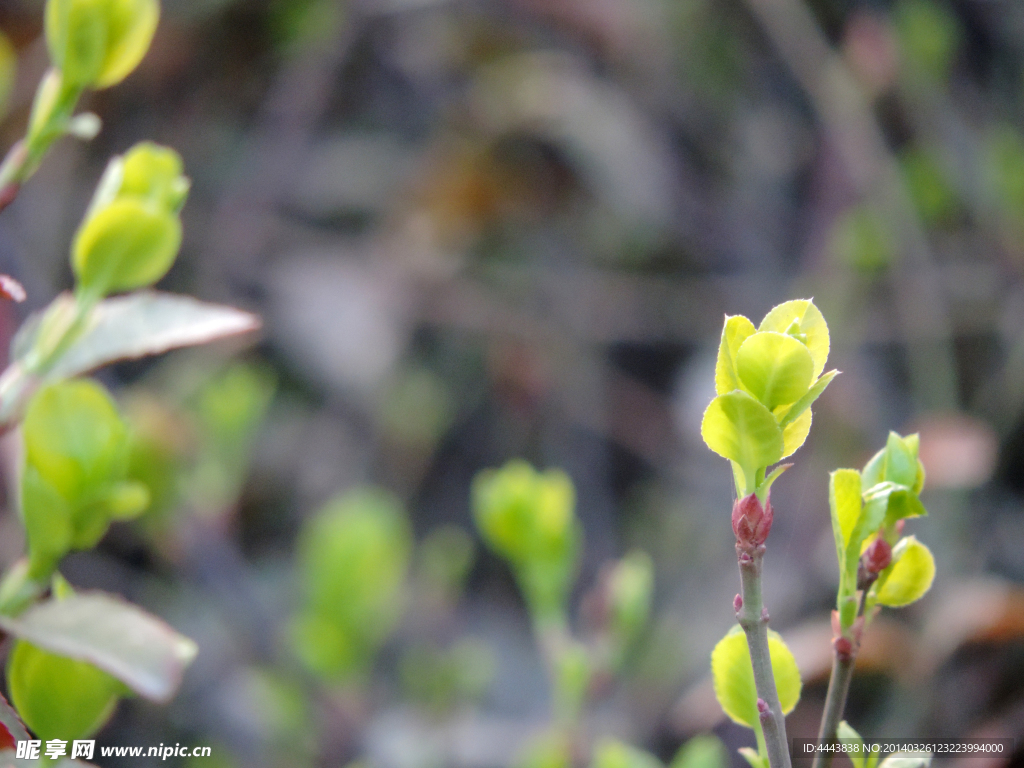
<point>97,43</point>
<point>132,232</point>
<point>877,556</point>
<point>751,521</point>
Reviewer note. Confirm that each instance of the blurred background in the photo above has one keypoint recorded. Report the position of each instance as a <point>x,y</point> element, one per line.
<point>485,229</point>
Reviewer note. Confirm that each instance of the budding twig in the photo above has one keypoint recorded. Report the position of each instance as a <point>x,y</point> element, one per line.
<point>751,523</point>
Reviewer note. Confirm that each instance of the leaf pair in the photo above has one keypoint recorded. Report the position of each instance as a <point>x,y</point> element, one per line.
<point>97,43</point>
<point>131,232</point>
<point>872,502</point>
<point>733,676</point>
<point>766,380</point>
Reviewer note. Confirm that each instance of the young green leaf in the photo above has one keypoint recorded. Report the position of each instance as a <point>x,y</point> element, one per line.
<point>97,43</point>
<point>611,753</point>
<point>129,244</point>
<point>794,435</point>
<point>753,758</point>
<point>845,731</point>
<point>737,329</point>
<point>58,697</point>
<point>896,463</point>
<point>774,367</point>
<point>733,676</point>
<point>804,403</point>
<point>845,504</point>
<point>909,577</point>
<point>811,325</point>
<point>738,427</point>
<point>703,751</point>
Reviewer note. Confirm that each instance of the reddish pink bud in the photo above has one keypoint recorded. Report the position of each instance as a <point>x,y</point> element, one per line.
<point>762,707</point>
<point>737,603</point>
<point>751,522</point>
<point>843,646</point>
<point>877,556</point>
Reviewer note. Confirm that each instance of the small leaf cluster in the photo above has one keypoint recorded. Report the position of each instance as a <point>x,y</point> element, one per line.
<point>131,232</point>
<point>75,655</point>
<point>353,560</point>
<point>93,44</point>
<point>873,503</point>
<point>766,379</point>
<point>528,518</point>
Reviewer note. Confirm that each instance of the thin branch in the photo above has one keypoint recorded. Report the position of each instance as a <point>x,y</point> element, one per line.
<point>753,617</point>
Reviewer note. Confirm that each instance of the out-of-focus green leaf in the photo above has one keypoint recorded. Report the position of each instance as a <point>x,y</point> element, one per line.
<point>929,37</point>
<point>528,517</point>
<point>611,753</point>
<point>97,44</point>
<point>860,239</point>
<point>703,751</point>
<point>733,676</point>
<point>439,680</point>
<point>74,476</point>
<point>630,587</point>
<point>845,731</point>
<point>928,185</point>
<point>8,67</point>
<point>445,557</point>
<point>1004,173</point>
<point>353,559</point>
<point>58,697</point>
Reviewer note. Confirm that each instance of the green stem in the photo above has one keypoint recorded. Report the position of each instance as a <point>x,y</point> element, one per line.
<point>835,702</point>
<point>842,672</point>
<point>55,101</point>
<point>753,618</point>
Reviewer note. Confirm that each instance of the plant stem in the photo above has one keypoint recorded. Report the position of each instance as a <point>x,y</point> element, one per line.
<point>754,619</point>
<point>51,112</point>
<point>835,702</point>
<point>843,662</point>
